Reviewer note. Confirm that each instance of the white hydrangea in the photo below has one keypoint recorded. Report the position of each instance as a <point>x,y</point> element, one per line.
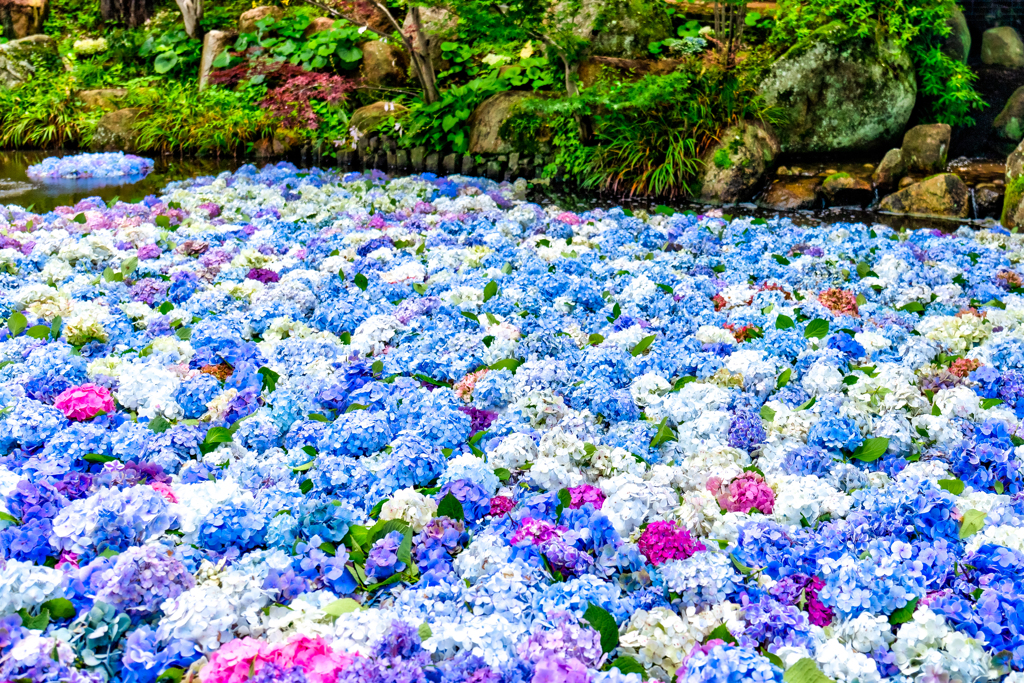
<point>723,462</point>
<point>514,451</point>
<point>809,497</point>
<point>865,633</point>
<point>648,389</point>
<point>660,639</point>
<point>958,401</point>
<point>410,506</point>
<point>485,555</point>
<point>927,645</point>
<point>25,585</point>
<point>843,664</point>
<point>1007,536</point>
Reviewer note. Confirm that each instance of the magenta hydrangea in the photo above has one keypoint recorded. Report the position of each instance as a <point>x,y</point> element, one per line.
<point>585,493</point>
<point>663,541</point>
<point>747,492</point>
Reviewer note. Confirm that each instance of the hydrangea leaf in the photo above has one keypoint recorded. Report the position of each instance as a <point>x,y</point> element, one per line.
<point>871,449</point>
<point>342,606</point>
<point>642,345</point>
<point>451,507</point>
<point>973,521</point>
<point>954,486</point>
<point>16,323</point>
<point>603,622</point>
<point>628,665</point>
<point>903,614</point>
<point>816,329</point>
<point>784,322</point>
<point>805,671</point>
<point>59,608</point>
<point>490,290</point>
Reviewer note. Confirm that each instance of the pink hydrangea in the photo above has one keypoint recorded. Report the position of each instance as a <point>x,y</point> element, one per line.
<point>165,491</point>
<point>747,492</point>
<point>819,613</point>
<point>464,387</point>
<point>501,505</point>
<point>237,660</point>
<point>318,660</point>
<point>569,218</point>
<point>84,402</point>
<point>536,531</point>
<point>585,493</point>
<point>148,251</point>
<point>663,541</point>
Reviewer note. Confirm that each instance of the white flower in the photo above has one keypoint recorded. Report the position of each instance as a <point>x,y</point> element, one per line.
<point>411,507</point>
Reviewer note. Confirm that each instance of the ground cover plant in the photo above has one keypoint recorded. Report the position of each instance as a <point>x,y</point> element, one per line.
<point>294,425</point>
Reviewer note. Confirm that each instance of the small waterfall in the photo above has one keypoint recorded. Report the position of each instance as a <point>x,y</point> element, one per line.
<point>974,206</point>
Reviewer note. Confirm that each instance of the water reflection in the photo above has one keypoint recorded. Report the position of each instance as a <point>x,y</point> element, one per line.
<point>43,195</point>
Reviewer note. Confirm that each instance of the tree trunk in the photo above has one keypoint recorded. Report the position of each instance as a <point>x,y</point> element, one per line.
<point>191,12</point>
<point>422,64</point>
<point>134,13</point>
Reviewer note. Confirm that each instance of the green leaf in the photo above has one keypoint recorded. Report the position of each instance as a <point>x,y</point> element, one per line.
<point>159,424</point>
<point>784,378</point>
<point>998,486</point>
<point>903,614</point>
<point>184,333</point>
<point>954,486</point>
<point>816,329</point>
<point>509,364</point>
<point>721,632</point>
<point>6,517</point>
<point>165,61</point>
<point>342,606</point>
<point>740,567</point>
<point>419,287</point>
<point>767,414</point>
<point>16,323</point>
<point>269,378</point>
<point>987,403</point>
<point>109,552</point>
<point>218,435</point>
<point>805,671</point>
<point>173,674</point>
<point>472,316</point>
<point>98,457</point>
<point>361,281</point>
<point>663,435</point>
<point>162,222</point>
<point>784,322</point>
<point>79,218</point>
<point>424,631</point>
<point>642,345</point>
<point>129,265</point>
<point>222,60</point>
<point>34,623</point>
<point>912,307</point>
<point>603,622</point>
<point>871,449</point>
<point>595,339</point>
<point>306,486</point>
<point>166,307</point>
<point>502,474</point>
<point>59,608</point>
<point>773,658</point>
<point>38,332</point>
<point>490,290</point>
<point>782,260</point>
<point>451,507</point>
<point>973,521</point>
<point>628,665</point>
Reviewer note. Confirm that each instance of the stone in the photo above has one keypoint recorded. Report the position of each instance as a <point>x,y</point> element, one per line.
<point>988,200</point>
<point>1002,46</point>
<point>319,25</point>
<point>940,195</point>
<point>382,64</point>
<point>1009,125</point>
<point>449,163</point>
<point>115,131</point>
<point>842,189</point>
<point>467,165</point>
<point>365,119</point>
<point>19,58</point>
<point>1013,202</point>
<point>485,122</point>
<point>417,157</point>
<point>269,147</point>
<point>431,163</point>
<point>438,25</point>
<point>23,18</point>
<point>594,68</point>
<point>247,22</point>
<point>906,181</point>
<point>792,195</point>
<point>620,28</point>
<point>957,44</point>
<point>402,159</point>
<point>214,42</point>
<point>925,147</point>
<point>103,98</point>
<point>494,170</point>
<point>888,173</point>
<point>851,96</point>
<point>735,166</point>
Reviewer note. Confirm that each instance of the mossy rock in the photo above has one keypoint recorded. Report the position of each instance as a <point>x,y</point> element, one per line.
<point>622,28</point>
<point>20,59</point>
<point>943,195</point>
<point>1009,125</point>
<point>735,167</point>
<point>841,94</point>
<point>115,131</point>
<point>1013,203</point>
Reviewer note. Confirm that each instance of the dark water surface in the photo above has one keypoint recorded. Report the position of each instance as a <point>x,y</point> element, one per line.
<point>43,195</point>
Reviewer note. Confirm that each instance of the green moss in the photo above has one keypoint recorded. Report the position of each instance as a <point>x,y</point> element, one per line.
<point>1013,198</point>
<point>722,159</point>
<point>837,176</point>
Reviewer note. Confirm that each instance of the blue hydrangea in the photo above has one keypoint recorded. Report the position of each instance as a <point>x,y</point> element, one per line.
<point>835,433</point>
<point>358,433</point>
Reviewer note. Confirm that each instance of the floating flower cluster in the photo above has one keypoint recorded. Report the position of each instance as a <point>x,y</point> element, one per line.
<point>98,165</point>
<point>314,428</point>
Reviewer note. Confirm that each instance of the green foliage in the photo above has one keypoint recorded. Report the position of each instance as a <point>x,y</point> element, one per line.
<point>947,86</point>
<point>43,113</point>
<point>174,53</point>
<point>179,118</point>
<point>282,40</point>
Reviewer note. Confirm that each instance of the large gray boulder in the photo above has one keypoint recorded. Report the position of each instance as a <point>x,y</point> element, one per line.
<point>115,132</point>
<point>1009,125</point>
<point>958,43</point>
<point>852,95</point>
<point>19,59</point>
<point>621,28</point>
<point>925,148</point>
<point>735,167</point>
<point>1002,46</point>
<point>941,195</point>
<point>1013,203</point>
<point>485,123</point>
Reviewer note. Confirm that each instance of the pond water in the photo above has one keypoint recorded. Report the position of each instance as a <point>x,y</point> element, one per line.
<point>17,188</point>
<point>41,196</point>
